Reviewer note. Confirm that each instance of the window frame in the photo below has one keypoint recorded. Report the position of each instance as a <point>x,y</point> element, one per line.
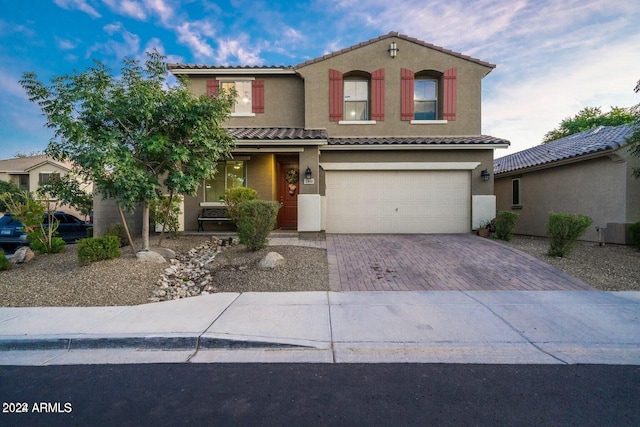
<point>246,81</point>
<point>224,165</point>
<point>516,193</point>
<point>435,100</point>
<point>356,79</point>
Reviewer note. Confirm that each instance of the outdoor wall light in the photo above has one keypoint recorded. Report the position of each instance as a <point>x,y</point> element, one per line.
<point>393,49</point>
<point>307,173</point>
<point>485,175</point>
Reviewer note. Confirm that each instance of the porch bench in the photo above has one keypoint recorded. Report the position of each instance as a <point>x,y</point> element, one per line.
<point>217,214</point>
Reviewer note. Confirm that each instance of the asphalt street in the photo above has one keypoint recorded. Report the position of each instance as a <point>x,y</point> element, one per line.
<point>320,394</point>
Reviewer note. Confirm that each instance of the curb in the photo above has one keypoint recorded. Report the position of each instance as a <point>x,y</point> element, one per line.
<point>139,343</point>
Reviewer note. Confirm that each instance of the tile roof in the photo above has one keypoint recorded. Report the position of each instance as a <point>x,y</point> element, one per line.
<point>599,139</point>
<point>276,133</point>
<point>290,134</point>
<point>400,36</point>
<point>420,140</point>
<point>177,66</point>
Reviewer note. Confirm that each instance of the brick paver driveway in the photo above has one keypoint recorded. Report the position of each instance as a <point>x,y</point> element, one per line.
<point>437,262</point>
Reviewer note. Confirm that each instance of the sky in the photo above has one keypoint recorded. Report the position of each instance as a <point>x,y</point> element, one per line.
<point>553,58</point>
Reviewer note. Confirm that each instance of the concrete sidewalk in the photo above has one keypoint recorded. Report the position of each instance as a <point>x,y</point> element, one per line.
<point>497,327</point>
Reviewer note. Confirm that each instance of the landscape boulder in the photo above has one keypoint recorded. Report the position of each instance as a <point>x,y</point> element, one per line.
<point>22,255</point>
<point>150,256</point>
<point>271,261</point>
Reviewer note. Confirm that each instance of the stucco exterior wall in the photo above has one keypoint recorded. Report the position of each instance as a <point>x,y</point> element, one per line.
<point>106,214</point>
<point>283,97</point>
<point>415,57</point>
<point>596,188</point>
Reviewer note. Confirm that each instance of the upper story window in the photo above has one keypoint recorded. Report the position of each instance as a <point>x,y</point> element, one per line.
<point>249,94</point>
<point>428,96</point>
<point>356,99</point>
<point>230,174</point>
<point>242,88</point>
<point>425,99</point>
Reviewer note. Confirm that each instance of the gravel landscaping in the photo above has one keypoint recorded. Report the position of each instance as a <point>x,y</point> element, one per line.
<point>58,280</point>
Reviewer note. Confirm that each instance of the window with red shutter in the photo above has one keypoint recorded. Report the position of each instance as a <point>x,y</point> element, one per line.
<point>377,95</point>
<point>335,95</point>
<point>406,94</point>
<point>212,87</point>
<point>450,94</point>
<point>257,94</point>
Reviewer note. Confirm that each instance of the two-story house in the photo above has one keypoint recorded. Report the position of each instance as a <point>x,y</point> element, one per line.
<point>381,137</point>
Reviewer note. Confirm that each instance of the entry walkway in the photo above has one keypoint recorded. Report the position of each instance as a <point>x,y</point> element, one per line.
<point>426,262</point>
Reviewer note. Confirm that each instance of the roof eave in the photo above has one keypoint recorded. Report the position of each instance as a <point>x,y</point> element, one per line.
<point>556,163</point>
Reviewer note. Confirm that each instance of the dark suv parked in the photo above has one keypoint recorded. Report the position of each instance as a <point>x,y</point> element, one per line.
<point>70,229</point>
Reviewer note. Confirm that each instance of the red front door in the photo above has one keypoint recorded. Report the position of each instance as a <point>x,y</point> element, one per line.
<point>288,187</point>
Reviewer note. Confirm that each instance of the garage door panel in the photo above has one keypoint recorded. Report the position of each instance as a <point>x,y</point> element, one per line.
<point>398,201</point>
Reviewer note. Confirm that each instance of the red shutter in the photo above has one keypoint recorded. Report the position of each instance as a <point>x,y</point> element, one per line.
<point>450,94</point>
<point>212,87</point>
<point>377,95</point>
<point>257,96</point>
<point>406,94</point>
<point>336,97</point>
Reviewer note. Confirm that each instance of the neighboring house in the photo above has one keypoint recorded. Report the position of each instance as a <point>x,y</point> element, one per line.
<point>381,137</point>
<point>31,171</point>
<point>587,173</point>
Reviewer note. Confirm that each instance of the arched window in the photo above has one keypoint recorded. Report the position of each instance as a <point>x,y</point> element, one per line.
<point>428,95</point>
<point>356,96</point>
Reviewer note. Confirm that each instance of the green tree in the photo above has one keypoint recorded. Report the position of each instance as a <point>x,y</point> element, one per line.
<point>634,139</point>
<point>67,191</point>
<point>135,134</point>
<point>588,118</point>
<point>13,191</point>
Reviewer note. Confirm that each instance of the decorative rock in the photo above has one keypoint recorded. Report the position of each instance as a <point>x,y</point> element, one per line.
<point>271,261</point>
<point>150,256</point>
<point>22,255</point>
<point>165,252</point>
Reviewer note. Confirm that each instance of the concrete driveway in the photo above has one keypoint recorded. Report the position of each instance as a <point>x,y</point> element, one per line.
<point>437,262</point>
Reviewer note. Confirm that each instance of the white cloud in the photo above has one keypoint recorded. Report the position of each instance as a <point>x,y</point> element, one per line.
<point>130,8</point>
<point>80,5</point>
<point>64,44</point>
<point>190,35</point>
<point>240,48</point>
<point>129,46</point>
<point>160,8</point>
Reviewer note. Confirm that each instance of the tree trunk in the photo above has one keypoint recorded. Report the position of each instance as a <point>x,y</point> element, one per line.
<point>166,217</point>
<point>126,228</point>
<point>145,227</point>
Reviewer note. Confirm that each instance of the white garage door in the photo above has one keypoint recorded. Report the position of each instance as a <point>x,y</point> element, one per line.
<point>398,201</point>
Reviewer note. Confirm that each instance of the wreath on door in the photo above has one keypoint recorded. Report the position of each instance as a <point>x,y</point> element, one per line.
<point>292,179</point>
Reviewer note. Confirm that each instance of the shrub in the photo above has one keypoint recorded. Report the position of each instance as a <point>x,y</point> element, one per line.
<point>564,230</point>
<point>635,233</point>
<point>120,232</point>
<point>505,224</point>
<point>98,249</point>
<point>4,262</point>
<point>89,232</point>
<point>234,196</point>
<point>39,241</point>
<point>256,219</point>
<point>158,209</point>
